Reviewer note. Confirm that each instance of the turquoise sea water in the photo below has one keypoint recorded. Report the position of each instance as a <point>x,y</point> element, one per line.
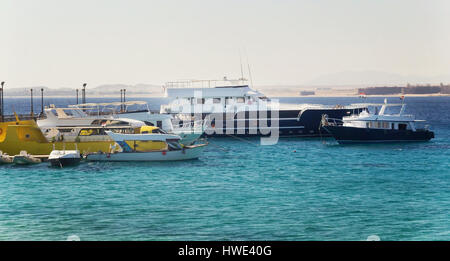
<point>299,189</point>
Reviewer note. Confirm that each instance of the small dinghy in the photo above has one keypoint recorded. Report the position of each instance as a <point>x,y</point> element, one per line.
<point>25,159</point>
<point>147,147</point>
<point>5,158</point>
<point>62,158</point>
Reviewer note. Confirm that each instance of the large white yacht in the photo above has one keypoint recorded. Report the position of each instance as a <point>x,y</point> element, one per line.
<point>232,107</point>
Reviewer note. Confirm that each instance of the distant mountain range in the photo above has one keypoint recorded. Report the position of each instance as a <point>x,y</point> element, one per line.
<point>373,78</point>
<point>101,90</point>
<point>346,80</point>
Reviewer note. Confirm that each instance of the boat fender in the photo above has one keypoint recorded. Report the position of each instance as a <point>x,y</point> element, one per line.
<point>163,153</point>
<point>108,155</point>
<point>183,151</point>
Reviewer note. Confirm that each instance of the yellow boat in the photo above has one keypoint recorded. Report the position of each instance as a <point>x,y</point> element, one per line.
<point>19,135</point>
<point>16,136</point>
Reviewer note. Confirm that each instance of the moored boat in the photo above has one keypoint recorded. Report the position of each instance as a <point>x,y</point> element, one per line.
<point>5,158</point>
<point>63,158</point>
<point>232,107</point>
<point>147,147</point>
<point>104,114</point>
<point>26,135</point>
<point>24,158</point>
<point>377,127</point>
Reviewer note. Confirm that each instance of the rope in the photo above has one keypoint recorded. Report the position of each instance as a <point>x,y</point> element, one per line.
<point>242,139</point>
<point>219,147</point>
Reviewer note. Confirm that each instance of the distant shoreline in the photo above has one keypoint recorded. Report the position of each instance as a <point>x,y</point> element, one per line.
<point>377,95</point>
<point>331,95</point>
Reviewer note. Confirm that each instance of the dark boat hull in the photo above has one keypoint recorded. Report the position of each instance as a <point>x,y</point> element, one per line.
<point>63,162</point>
<point>290,123</point>
<point>349,135</point>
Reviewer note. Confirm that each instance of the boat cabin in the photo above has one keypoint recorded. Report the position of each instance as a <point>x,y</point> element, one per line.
<point>381,120</point>
<point>210,95</point>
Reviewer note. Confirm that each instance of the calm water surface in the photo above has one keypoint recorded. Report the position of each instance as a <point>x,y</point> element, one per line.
<point>299,189</point>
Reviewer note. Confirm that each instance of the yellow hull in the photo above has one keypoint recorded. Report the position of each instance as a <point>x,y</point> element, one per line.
<point>26,135</point>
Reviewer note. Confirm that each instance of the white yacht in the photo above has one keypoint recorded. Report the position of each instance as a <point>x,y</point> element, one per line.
<point>147,146</point>
<point>73,120</point>
<point>231,107</point>
<point>377,127</point>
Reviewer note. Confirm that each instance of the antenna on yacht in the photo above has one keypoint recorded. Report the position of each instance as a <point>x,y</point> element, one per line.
<point>242,70</point>
<point>249,71</point>
<point>402,110</point>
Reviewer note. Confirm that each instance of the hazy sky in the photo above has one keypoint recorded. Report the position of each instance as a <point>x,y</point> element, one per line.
<point>60,43</point>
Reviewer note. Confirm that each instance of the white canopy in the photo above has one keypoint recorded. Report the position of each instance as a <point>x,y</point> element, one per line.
<point>128,103</point>
<point>142,137</point>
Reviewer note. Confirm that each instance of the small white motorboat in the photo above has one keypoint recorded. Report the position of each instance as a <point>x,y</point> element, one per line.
<point>5,158</point>
<point>25,159</point>
<point>62,158</point>
<point>147,147</point>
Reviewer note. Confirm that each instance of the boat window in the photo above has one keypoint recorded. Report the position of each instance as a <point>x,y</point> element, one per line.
<point>159,124</point>
<point>368,124</point>
<point>393,125</point>
<point>216,100</point>
<point>228,100</point>
<point>385,125</point>
<point>201,101</point>
<point>402,126</point>
<point>68,112</point>
<point>240,99</point>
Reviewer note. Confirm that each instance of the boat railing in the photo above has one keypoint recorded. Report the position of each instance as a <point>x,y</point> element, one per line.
<point>331,121</point>
<point>206,83</point>
<point>424,128</point>
<point>22,117</point>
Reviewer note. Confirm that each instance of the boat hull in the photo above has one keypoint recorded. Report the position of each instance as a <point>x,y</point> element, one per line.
<point>186,154</point>
<point>26,135</point>
<point>24,160</point>
<point>6,159</point>
<point>63,162</point>
<point>189,138</point>
<point>350,135</point>
<point>290,123</point>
